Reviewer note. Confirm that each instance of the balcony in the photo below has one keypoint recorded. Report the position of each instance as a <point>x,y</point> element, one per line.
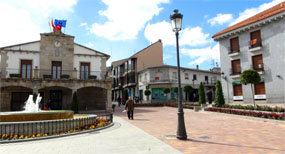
<point>259,68</point>
<point>43,74</point>
<point>235,74</point>
<point>255,45</point>
<point>160,81</point>
<point>233,53</point>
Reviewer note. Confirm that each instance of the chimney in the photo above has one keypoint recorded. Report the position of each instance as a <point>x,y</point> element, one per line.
<point>197,67</point>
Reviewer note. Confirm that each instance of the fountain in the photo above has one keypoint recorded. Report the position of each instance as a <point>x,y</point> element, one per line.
<point>32,112</point>
<point>35,121</point>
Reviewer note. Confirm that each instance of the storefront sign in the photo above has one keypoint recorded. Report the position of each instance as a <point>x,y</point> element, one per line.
<point>259,96</point>
<point>236,98</point>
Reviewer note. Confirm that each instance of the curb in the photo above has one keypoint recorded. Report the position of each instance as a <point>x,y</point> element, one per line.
<point>56,136</point>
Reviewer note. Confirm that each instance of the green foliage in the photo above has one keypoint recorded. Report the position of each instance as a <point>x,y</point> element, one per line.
<point>166,90</point>
<point>175,89</point>
<point>250,76</point>
<point>188,89</point>
<point>202,97</point>
<point>258,108</point>
<point>74,104</point>
<point>219,96</point>
<point>147,92</point>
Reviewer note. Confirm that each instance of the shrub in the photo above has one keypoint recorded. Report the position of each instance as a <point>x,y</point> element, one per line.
<point>74,103</point>
<point>16,75</point>
<point>175,89</point>
<point>219,96</point>
<point>166,90</point>
<point>202,97</point>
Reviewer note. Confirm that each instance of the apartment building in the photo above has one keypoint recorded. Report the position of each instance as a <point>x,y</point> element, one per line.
<point>256,43</point>
<point>165,76</point>
<point>125,71</point>
<point>55,67</point>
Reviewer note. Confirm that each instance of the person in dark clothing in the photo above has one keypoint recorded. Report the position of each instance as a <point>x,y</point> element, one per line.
<point>130,106</point>
<point>210,96</point>
<point>137,100</point>
<point>119,101</point>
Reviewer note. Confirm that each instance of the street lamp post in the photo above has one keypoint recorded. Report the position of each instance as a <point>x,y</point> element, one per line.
<point>176,20</point>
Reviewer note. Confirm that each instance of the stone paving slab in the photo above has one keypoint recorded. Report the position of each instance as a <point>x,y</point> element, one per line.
<point>120,138</point>
<point>210,132</point>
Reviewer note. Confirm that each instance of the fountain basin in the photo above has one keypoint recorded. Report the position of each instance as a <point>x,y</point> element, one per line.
<point>35,116</point>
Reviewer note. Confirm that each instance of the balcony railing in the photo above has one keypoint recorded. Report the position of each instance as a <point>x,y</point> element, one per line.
<point>160,80</point>
<point>231,51</point>
<point>259,67</point>
<point>234,72</point>
<point>255,43</point>
<point>51,74</point>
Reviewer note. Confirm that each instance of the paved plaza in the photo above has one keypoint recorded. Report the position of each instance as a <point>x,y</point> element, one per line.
<point>153,131</point>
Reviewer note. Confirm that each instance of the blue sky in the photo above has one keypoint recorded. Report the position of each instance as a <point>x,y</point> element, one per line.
<point>122,27</point>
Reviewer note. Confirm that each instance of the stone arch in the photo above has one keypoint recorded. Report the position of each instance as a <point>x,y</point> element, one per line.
<point>56,97</point>
<point>13,97</point>
<point>92,98</point>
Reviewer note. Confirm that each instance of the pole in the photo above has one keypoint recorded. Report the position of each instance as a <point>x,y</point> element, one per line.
<point>181,131</point>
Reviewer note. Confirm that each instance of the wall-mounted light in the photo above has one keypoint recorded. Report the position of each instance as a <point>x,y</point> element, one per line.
<point>278,76</point>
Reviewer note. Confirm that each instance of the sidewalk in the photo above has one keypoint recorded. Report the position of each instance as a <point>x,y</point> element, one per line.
<point>210,132</point>
<point>120,138</point>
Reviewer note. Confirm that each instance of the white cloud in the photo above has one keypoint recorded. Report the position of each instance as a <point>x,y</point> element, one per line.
<point>24,20</point>
<point>83,24</point>
<point>221,19</point>
<point>160,30</point>
<point>108,62</point>
<point>188,36</point>
<point>194,37</point>
<point>203,54</point>
<point>167,56</point>
<point>90,44</point>
<point>252,11</point>
<point>125,18</point>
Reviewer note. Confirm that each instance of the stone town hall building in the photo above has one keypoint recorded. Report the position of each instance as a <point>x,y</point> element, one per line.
<point>55,67</point>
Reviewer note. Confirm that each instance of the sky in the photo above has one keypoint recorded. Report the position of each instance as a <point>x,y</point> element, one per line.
<point>121,28</point>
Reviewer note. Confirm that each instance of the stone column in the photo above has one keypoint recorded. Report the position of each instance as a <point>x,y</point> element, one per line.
<point>36,72</point>
<point>74,75</point>
<point>109,100</point>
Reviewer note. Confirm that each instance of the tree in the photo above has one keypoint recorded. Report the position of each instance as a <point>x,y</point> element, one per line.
<point>175,89</point>
<point>74,104</point>
<point>166,91</point>
<point>219,96</point>
<point>188,90</point>
<point>202,97</point>
<point>147,92</point>
<point>251,77</point>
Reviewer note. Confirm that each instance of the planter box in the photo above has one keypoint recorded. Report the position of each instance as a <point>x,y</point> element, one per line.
<point>197,108</point>
<point>45,76</point>
<point>64,76</point>
<point>14,75</point>
<point>92,77</point>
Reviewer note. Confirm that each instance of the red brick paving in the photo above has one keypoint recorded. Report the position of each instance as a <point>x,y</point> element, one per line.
<point>210,132</point>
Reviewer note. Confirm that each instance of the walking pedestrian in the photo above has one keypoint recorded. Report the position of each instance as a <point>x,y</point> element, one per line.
<point>130,105</point>
<point>137,99</point>
<point>119,101</point>
<point>210,96</point>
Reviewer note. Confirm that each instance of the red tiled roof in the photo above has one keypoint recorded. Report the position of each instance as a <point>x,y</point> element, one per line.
<point>260,16</point>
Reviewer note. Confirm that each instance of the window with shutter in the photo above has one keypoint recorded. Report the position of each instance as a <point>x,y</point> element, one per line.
<point>259,89</point>
<point>236,69</point>
<point>237,90</point>
<point>255,39</point>
<point>234,44</point>
<point>257,62</point>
